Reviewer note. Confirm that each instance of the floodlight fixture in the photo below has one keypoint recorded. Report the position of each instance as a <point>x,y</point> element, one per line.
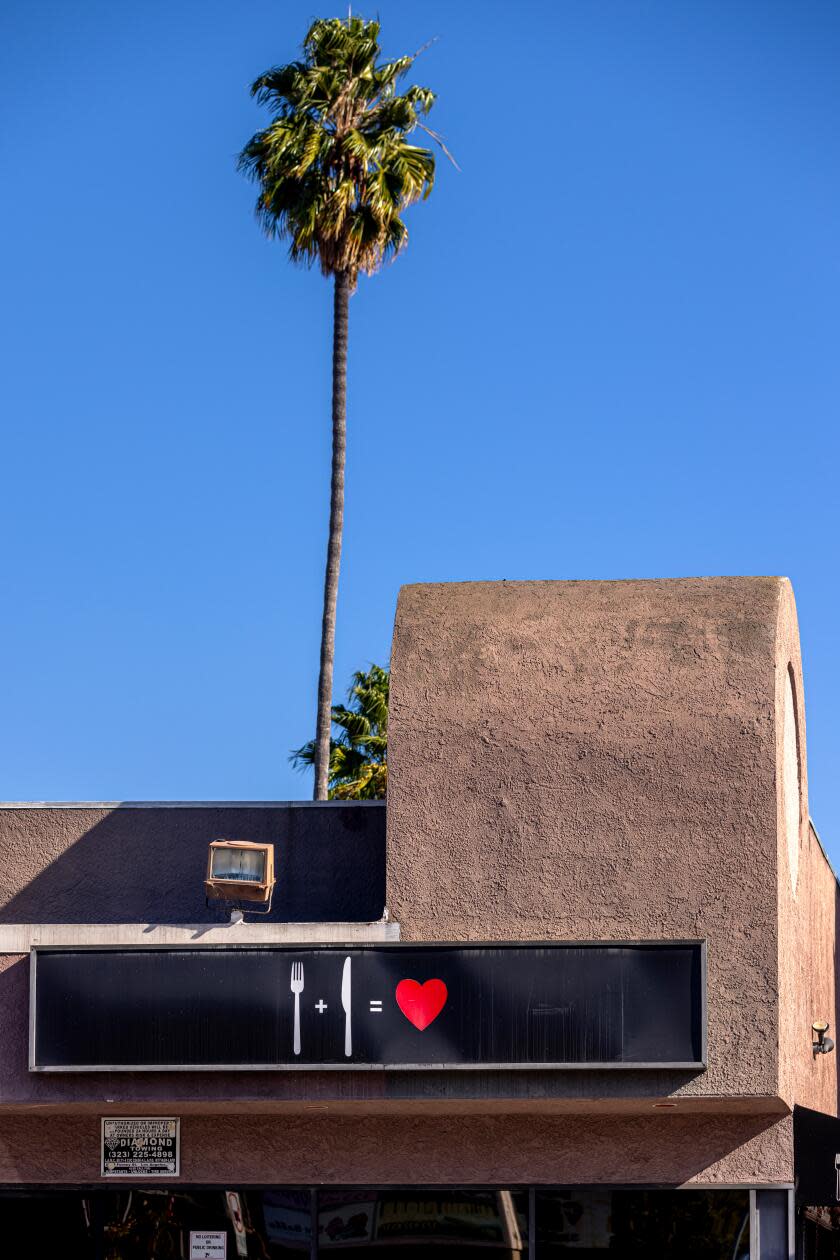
<point>241,873</point>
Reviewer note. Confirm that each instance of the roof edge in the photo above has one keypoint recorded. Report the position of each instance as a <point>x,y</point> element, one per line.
<point>187,804</point>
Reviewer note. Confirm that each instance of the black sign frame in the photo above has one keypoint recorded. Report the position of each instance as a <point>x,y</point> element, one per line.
<point>289,948</point>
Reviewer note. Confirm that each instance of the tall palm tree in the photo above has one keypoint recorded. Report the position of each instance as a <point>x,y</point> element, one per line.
<point>359,755</point>
<point>335,173</point>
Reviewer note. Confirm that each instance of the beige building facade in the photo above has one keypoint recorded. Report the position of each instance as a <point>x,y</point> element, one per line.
<point>593,764</point>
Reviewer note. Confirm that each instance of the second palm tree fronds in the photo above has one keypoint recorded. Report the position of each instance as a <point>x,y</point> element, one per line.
<point>358,768</point>
<point>335,172</point>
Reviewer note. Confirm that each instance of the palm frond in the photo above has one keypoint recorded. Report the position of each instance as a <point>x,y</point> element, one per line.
<point>334,167</point>
<point>359,753</point>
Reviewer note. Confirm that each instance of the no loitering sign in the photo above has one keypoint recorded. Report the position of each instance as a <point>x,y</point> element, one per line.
<point>208,1244</point>
<point>141,1146</point>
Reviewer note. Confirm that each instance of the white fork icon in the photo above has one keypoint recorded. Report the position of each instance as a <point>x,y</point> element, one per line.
<point>297,989</point>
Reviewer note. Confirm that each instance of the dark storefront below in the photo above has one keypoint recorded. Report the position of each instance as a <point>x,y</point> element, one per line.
<point>516,1223</point>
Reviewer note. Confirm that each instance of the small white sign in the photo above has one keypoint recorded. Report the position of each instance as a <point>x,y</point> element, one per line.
<point>208,1244</point>
<point>234,1207</point>
<point>140,1146</point>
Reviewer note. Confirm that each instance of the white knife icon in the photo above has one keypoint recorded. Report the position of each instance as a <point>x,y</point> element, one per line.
<point>345,1002</point>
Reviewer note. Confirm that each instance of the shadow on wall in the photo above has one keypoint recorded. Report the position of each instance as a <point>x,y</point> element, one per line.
<point>147,865</point>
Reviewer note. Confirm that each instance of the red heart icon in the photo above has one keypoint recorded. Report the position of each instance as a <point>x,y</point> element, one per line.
<point>421,1003</point>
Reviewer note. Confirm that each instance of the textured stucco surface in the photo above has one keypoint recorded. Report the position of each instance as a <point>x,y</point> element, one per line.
<point>807,907</point>
<point>567,761</point>
<point>599,760</point>
<point>229,1150</point>
<point>808,988</point>
<point>147,865</point>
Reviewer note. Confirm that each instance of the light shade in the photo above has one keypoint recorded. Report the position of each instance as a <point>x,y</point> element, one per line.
<point>238,870</point>
<point>229,862</point>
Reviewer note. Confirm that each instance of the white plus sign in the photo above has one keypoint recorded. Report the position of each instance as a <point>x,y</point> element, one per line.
<point>320,1006</point>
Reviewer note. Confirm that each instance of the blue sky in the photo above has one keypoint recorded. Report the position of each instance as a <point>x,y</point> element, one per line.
<point>610,351</point>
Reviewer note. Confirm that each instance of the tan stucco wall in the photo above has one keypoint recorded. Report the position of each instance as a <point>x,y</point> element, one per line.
<point>808,988</point>
<point>599,760</point>
<point>231,1150</point>
<point>807,907</point>
<point>567,761</point>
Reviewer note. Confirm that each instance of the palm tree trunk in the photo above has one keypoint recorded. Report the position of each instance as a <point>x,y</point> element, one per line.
<point>341,312</point>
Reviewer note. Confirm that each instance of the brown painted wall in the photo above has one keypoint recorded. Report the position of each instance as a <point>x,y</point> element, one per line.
<point>599,760</point>
<point>808,909</point>
<point>808,976</point>
<point>568,761</point>
<point>233,1150</point>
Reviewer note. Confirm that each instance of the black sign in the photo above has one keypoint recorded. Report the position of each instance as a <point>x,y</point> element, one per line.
<point>816,1158</point>
<point>405,1006</point>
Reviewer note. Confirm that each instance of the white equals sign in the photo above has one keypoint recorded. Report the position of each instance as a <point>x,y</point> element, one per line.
<point>376,1007</point>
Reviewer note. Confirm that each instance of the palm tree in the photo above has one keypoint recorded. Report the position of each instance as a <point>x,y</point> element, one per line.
<point>358,768</point>
<point>335,173</point>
